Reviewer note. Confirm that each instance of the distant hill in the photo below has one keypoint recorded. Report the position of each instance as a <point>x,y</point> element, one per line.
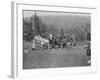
<point>64,21</point>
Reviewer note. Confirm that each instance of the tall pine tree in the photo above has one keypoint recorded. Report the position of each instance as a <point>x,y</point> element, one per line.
<point>37,26</point>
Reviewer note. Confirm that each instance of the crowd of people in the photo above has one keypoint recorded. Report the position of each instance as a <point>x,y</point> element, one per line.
<point>52,42</point>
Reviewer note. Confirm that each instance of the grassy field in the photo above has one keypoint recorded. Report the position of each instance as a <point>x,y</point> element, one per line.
<point>74,57</point>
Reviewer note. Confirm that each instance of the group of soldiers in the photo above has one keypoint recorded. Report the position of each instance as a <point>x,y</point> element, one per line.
<point>61,42</point>
<point>52,42</point>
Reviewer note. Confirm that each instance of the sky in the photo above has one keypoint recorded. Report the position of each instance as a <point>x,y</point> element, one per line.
<point>29,13</point>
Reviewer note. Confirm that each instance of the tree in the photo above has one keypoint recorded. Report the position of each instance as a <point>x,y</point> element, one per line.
<point>87,27</point>
<point>62,32</point>
<point>38,26</point>
<point>88,36</point>
<point>27,30</point>
<point>88,31</point>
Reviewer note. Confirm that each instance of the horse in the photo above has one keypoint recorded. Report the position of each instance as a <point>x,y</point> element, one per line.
<point>44,42</point>
<point>40,43</point>
<point>68,45</point>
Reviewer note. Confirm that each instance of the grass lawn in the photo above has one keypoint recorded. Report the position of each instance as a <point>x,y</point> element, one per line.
<point>74,57</point>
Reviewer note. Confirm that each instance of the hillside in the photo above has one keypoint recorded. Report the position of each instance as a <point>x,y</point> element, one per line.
<point>64,21</point>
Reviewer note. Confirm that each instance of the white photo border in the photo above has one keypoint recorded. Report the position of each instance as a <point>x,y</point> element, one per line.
<point>17,53</point>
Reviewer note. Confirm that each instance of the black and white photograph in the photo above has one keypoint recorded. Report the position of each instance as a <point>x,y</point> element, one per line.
<point>56,39</point>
